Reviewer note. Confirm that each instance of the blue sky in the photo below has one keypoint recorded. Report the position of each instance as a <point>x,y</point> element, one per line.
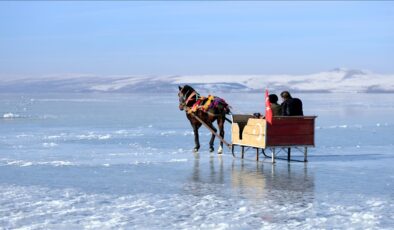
<point>192,37</point>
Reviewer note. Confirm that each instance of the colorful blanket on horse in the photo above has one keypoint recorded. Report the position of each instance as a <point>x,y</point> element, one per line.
<point>209,103</point>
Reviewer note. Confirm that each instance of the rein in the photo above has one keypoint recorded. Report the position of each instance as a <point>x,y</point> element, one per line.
<point>190,97</point>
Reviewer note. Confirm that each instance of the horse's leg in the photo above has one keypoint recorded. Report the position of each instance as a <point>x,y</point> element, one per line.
<point>221,132</point>
<point>212,141</point>
<point>196,126</point>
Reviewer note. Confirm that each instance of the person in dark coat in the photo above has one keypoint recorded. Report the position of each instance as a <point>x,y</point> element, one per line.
<point>291,106</point>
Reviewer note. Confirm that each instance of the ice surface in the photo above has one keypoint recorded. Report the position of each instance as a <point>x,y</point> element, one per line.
<point>125,161</point>
<point>10,115</point>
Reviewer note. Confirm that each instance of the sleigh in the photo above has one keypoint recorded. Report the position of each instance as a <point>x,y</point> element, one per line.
<point>282,135</point>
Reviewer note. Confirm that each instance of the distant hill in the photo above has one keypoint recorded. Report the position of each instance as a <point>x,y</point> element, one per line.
<point>336,80</point>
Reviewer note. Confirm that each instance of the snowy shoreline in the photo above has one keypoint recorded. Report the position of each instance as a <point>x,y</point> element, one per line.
<point>339,80</point>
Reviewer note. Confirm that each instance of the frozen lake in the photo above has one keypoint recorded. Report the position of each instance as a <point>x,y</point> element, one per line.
<point>125,161</point>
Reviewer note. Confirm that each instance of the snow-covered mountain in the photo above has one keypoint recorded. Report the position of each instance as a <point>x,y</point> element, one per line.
<point>336,80</point>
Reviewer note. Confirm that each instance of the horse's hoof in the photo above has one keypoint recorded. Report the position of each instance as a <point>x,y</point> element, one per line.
<point>211,149</point>
<point>195,149</point>
<point>220,150</point>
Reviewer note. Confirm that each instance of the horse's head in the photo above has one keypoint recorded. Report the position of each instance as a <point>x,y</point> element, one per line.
<point>184,95</point>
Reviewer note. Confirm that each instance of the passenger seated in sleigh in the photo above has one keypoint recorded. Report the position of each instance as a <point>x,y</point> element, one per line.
<point>289,107</point>
<point>275,107</point>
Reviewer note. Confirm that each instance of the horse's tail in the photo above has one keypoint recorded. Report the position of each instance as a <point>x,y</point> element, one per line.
<point>227,110</point>
<point>226,107</point>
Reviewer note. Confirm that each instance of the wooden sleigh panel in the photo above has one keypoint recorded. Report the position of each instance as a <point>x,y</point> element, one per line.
<point>291,131</point>
<point>285,131</point>
<point>249,132</point>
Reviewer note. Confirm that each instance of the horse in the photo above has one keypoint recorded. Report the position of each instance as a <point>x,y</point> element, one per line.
<point>208,109</point>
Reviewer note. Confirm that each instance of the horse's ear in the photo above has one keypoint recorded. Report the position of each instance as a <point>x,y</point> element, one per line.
<point>180,88</point>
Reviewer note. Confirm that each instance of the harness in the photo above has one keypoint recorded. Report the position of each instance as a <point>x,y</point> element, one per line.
<point>205,104</point>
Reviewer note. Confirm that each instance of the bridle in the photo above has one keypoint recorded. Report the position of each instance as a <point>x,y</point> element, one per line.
<point>183,101</point>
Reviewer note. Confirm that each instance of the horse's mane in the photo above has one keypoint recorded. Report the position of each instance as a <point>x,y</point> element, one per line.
<point>187,89</point>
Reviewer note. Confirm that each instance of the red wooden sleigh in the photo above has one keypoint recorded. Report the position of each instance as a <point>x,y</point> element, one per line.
<point>285,133</point>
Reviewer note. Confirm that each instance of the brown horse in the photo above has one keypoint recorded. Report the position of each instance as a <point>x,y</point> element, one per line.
<point>207,109</point>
